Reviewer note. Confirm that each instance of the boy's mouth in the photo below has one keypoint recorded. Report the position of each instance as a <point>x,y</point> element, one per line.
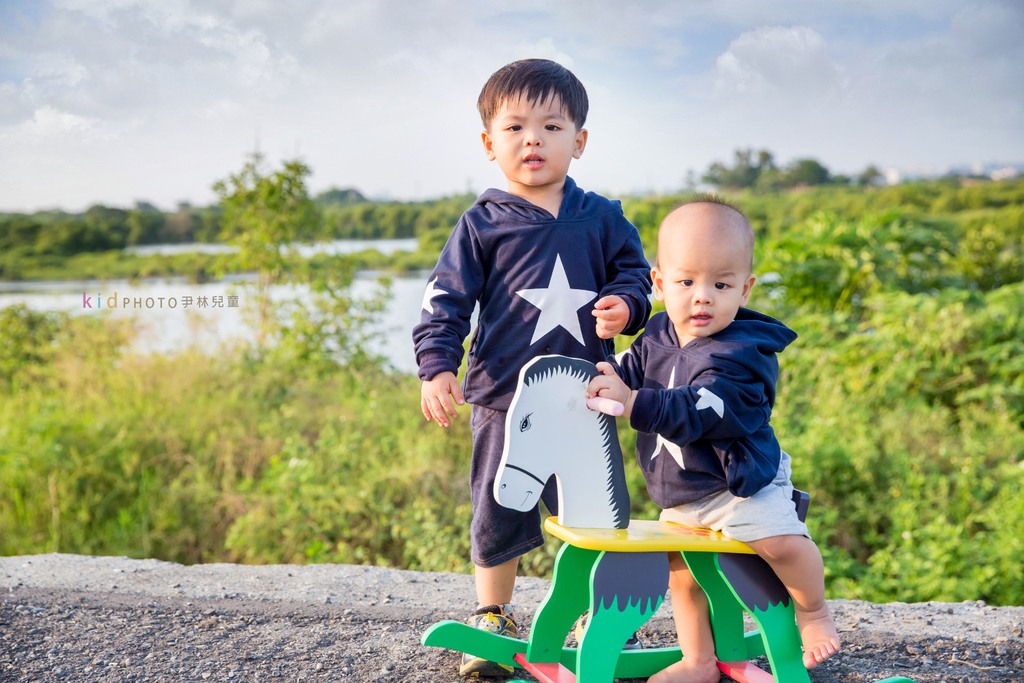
<point>700,319</point>
<point>533,161</point>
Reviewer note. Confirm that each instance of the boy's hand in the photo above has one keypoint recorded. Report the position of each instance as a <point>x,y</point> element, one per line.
<point>435,401</point>
<point>608,385</point>
<point>612,313</point>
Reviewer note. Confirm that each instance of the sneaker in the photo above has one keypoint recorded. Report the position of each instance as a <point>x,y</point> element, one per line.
<point>498,619</point>
<point>581,625</point>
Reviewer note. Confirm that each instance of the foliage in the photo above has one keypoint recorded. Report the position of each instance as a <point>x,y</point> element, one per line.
<point>339,197</point>
<point>907,428</point>
<point>902,400</point>
<point>118,264</point>
<point>198,458</point>
<point>763,175</point>
<point>837,264</point>
<point>61,246</point>
<point>265,217</point>
<point>394,220</point>
<point>24,345</point>
<point>101,228</point>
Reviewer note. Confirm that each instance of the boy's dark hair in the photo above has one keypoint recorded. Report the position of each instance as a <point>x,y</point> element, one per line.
<point>536,80</point>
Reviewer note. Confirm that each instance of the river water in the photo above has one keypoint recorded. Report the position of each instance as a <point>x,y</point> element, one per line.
<point>173,314</point>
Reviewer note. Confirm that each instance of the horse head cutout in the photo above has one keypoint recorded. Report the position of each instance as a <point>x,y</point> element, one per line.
<point>549,430</point>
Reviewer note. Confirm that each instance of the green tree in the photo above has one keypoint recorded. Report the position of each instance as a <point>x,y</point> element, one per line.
<point>870,176</point>
<point>806,172</point>
<point>339,197</point>
<point>144,226</point>
<point>266,215</point>
<point>744,173</point>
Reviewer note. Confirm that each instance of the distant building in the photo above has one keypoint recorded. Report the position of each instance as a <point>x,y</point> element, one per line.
<point>976,169</point>
<point>1004,173</point>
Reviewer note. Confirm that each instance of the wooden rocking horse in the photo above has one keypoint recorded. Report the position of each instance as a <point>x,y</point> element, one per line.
<point>615,567</point>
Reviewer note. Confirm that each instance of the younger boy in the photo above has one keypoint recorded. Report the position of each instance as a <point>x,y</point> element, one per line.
<point>543,261</point>
<point>698,386</point>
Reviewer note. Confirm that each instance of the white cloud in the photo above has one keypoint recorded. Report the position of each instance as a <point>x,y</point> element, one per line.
<point>777,61</point>
<point>48,123</point>
<point>224,108</point>
<point>544,49</point>
<point>15,105</point>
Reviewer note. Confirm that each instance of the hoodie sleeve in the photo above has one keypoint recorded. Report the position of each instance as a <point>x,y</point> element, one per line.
<point>713,407</point>
<point>728,408</point>
<point>629,274</point>
<point>451,293</point>
<point>628,364</point>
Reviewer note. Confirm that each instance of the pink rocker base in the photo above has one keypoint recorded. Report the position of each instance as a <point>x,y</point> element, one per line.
<point>553,672</point>
<point>546,672</point>
<point>745,672</point>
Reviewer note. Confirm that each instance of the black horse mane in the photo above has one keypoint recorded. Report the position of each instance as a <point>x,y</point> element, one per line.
<point>541,368</point>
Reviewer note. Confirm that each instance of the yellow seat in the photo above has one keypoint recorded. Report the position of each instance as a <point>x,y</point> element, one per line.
<point>646,536</point>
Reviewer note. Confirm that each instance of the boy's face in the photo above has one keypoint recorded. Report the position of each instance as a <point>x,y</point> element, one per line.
<point>703,272</point>
<point>533,145</point>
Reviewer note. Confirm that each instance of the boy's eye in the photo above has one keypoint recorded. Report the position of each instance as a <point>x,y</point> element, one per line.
<point>721,285</point>
<point>551,126</point>
<point>515,127</point>
<point>686,283</point>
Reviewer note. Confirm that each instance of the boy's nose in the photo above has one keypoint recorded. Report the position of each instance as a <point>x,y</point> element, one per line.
<point>701,296</point>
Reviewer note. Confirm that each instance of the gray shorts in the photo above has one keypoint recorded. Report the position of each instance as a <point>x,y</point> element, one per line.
<point>769,512</point>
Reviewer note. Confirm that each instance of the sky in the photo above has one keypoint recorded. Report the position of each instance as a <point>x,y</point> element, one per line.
<point>118,101</point>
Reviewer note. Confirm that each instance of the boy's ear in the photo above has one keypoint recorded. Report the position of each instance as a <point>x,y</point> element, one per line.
<point>488,145</point>
<point>581,143</point>
<point>659,285</point>
<point>746,289</point>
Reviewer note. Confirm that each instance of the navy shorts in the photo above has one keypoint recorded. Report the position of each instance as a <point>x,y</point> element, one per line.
<point>499,534</point>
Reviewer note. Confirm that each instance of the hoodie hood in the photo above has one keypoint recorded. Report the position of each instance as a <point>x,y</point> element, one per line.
<point>499,205</point>
<point>752,339</point>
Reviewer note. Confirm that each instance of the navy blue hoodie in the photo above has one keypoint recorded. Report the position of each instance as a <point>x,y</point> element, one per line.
<point>536,278</point>
<point>702,411</point>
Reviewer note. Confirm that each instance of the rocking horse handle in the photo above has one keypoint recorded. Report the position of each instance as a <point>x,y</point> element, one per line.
<point>606,406</point>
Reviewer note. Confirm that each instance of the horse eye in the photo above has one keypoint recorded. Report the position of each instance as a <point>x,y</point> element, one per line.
<point>525,423</point>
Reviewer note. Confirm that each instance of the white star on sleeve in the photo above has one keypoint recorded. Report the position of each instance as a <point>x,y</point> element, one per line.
<point>709,399</point>
<point>431,292</point>
<point>673,449</point>
<point>558,304</point>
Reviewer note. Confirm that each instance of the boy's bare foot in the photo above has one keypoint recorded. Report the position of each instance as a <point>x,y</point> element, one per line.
<point>819,636</point>
<point>687,671</point>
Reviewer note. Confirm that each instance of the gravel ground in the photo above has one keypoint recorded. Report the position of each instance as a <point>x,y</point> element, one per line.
<point>76,618</point>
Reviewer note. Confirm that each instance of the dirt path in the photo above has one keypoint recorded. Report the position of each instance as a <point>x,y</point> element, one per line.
<point>74,618</point>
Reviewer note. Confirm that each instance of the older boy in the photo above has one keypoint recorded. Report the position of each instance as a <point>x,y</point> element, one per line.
<point>698,386</point>
<point>543,260</point>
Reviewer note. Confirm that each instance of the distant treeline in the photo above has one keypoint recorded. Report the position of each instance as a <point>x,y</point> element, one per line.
<point>33,244</point>
<point>773,214</point>
<point>760,172</point>
<point>345,214</point>
<point>101,228</point>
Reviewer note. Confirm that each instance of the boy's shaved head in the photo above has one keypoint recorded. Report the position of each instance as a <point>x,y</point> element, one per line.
<point>537,80</point>
<point>711,212</point>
